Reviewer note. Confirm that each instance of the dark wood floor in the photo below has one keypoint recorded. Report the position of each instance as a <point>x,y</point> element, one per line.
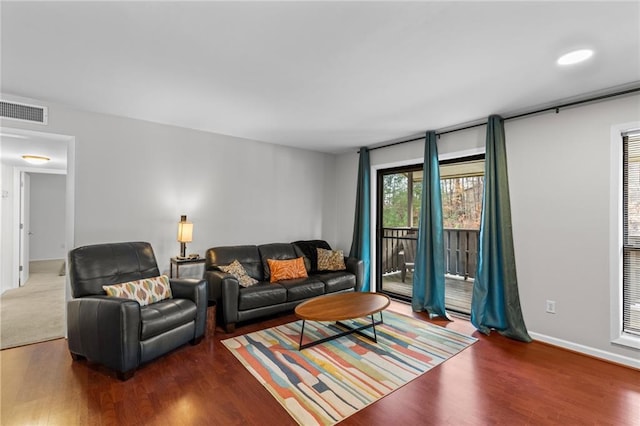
<point>496,381</point>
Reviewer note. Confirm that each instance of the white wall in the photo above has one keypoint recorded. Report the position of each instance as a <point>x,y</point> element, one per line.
<point>134,179</point>
<point>559,173</point>
<point>47,216</point>
<point>559,177</point>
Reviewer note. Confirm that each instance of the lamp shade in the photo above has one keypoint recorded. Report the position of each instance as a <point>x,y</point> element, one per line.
<point>185,232</point>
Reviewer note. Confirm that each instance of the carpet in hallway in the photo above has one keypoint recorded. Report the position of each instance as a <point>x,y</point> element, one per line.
<point>34,312</point>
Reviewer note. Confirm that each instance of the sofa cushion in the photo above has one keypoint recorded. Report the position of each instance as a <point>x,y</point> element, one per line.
<point>286,269</point>
<point>276,251</point>
<point>247,255</point>
<point>165,315</point>
<point>303,288</point>
<point>261,294</point>
<point>330,260</point>
<point>336,281</point>
<point>309,249</point>
<point>236,269</point>
<point>145,291</point>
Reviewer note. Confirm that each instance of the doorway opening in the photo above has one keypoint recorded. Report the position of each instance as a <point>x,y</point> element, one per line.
<point>37,230</point>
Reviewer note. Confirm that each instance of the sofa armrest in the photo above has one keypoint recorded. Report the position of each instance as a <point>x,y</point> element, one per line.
<point>214,279</point>
<point>106,330</point>
<point>356,267</point>
<point>195,290</point>
<point>230,297</point>
<point>228,290</point>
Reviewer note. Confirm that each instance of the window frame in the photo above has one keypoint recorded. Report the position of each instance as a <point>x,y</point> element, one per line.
<point>617,335</point>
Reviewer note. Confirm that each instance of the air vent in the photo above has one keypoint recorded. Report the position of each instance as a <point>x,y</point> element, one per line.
<point>23,112</point>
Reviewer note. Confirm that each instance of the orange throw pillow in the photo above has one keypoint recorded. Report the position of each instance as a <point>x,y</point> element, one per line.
<point>287,269</point>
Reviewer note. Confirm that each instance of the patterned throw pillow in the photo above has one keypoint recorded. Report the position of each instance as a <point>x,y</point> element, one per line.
<point>145,291</point>
<point>236,269</point>
<point>330,260</point>
<point>287,269</point>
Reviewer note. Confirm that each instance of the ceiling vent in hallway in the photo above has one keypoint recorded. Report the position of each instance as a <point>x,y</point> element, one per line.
<point>23,112</point>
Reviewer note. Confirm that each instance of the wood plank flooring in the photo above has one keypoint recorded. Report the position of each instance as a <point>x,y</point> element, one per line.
<point>496,381</point>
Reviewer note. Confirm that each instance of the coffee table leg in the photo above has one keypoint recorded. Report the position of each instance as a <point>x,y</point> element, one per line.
<point>373,325</point>
<point>357,330</point>
<point>301,334</point>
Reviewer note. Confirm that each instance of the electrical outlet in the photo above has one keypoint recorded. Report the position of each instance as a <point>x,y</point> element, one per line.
<point>551,306</point>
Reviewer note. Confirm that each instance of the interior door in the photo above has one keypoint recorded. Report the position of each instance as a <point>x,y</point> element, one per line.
<point>25,195</point>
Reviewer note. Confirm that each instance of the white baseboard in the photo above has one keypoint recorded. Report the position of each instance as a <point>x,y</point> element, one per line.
<point>587,350</point>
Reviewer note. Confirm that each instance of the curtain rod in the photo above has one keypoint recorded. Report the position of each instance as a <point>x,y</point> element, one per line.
<point>555,108</point>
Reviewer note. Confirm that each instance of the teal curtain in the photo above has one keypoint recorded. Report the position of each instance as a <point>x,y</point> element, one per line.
<point>428,276</point>
<point>495,302</point>
<point>361,242</point>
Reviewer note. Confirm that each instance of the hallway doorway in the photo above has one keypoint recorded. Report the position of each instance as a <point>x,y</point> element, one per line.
<point>37,230</point>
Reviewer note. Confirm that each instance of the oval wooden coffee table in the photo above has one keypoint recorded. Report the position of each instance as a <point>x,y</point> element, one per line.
<point>342,306</point>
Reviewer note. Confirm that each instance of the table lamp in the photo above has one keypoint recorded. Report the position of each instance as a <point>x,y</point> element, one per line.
<point>185,235</point>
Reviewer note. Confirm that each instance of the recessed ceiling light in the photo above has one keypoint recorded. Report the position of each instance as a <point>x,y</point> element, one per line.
<point>35,159</point>
<point>575,56</point>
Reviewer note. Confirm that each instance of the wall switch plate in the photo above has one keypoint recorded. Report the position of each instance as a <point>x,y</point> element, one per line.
<point>551,306</point>
<point>5,193</point>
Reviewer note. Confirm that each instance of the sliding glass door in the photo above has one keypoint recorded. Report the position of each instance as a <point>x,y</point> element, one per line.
<point>397,228</point>
<point>399,191</point>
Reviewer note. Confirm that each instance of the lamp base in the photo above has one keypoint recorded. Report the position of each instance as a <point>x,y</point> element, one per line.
<point>183,251</point>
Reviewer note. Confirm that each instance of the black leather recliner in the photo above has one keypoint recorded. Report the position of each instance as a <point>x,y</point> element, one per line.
<point>117,332</point>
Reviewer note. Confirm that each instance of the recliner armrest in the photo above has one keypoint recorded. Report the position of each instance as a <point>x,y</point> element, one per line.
<point>106,330</point>
<point>196,291</point>
<point>356,267</point>
<point>189,288</point>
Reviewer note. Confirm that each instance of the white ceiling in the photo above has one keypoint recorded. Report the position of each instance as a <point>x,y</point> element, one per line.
<point>327,76</point>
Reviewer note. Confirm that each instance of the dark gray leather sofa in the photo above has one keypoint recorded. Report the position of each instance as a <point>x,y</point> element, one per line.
<point>240,304</point>
<point>117,332</point>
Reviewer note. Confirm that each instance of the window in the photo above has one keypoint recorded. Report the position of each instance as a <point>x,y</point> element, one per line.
<point>462,185</point>
<point>631,234</point>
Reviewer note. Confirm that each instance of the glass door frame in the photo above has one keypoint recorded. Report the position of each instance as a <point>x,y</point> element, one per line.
<point>379,221</point>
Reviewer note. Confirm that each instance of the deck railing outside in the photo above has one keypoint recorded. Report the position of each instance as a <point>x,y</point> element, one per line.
<point>461,250</point>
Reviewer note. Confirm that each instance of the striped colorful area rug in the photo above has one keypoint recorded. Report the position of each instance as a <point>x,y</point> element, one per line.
<point>326,383</point>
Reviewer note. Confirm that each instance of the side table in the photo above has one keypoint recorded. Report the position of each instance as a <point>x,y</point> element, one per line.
<point>178,262</point>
